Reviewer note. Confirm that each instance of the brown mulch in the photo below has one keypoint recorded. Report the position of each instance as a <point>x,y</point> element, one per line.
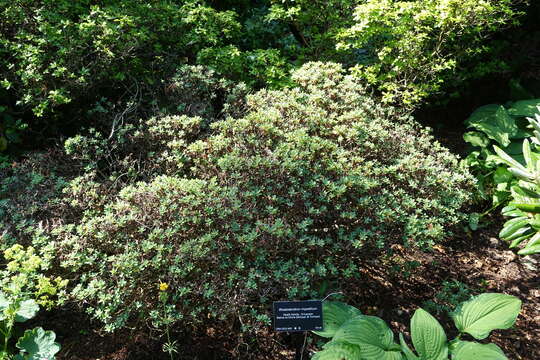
<point>483,263</point>
<point>477,259</point>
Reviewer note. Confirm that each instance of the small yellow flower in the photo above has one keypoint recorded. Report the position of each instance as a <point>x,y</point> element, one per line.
<point>163,286</point>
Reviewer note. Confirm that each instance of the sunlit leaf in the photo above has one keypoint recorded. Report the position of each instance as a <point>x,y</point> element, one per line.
<point>486,312</point>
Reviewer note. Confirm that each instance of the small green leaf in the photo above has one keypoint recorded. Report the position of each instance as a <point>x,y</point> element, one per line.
<point>502,175</point>
<point>335,314</point>
<point>527,154</point>
<point>522,175</point>
<point>530,250</point>
<point>27,310</point>
<point>37,344</point>
<point>508,159</point>
<point>527,207</point>
<point>476,138</point>
<point>428,336</point>
<point>535,222</point>
<point>466,350</point>
<point>525,194</point>
<point>515,242</point>
<point>486,312</point>
<point>512,211</point>
<point>512,226</point>
<point>474,219</point>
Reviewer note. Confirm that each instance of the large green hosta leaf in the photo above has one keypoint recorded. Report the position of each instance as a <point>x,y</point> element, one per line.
<point>530,250</point>
<point>483,113</point>
<point>336,350</point>
<point>524,107</point>
<point>486,312</point>
<point>428,336</point>
<point>372,335</point>
<point>335,314</point>
<point>495,122</point>
<point>466,350</point>
<point>37,344</point>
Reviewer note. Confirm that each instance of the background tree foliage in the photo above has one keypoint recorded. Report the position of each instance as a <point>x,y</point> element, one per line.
<point>62,60</point>
<point>414,49</point>
<point>60,52</point>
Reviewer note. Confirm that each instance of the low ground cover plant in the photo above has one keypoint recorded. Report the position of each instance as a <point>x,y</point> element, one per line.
<point>23,288</point>
<point>354,336</point>
<point>452,293</point>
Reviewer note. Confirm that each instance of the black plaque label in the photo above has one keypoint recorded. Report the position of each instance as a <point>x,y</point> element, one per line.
<point>298,315</point>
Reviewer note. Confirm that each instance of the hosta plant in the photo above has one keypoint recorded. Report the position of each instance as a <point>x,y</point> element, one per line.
<point>355,336</point>
<point>524,207</point>
<point>22,290</point>
<point>504,126</point>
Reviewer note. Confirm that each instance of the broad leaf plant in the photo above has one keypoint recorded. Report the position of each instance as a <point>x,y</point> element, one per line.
<point>524,207</point>
<point>354,336</point>
<point>23,288</point>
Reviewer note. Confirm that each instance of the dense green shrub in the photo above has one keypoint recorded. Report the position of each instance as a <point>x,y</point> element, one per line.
<point>413,49</point>
<point>99,162</point>
<point>256,68</point>
<point>261,32</point>
<point>67,65</point>
<point>200,91</point>
<point>267,206</point>
<point>130,151</point>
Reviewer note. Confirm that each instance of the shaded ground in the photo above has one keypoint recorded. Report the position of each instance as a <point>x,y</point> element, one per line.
<point>477,259</point>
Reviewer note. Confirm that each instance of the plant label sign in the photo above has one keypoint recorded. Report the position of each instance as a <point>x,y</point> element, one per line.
<point>293,316</point>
